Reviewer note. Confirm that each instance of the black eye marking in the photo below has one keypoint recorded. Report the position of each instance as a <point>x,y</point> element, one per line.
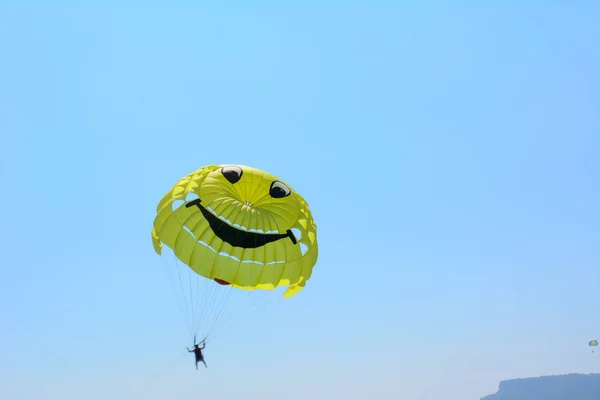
<point>232,174</point>
<point>279,190</point>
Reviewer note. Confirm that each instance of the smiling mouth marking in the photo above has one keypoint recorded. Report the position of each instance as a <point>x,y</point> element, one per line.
<point>238,237</point>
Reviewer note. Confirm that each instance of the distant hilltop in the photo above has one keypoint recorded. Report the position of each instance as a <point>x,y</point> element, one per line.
<point>558,387</point>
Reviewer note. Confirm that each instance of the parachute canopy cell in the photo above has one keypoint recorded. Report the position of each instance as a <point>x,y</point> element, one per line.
<point>239,226</point>
<point>593,343</point>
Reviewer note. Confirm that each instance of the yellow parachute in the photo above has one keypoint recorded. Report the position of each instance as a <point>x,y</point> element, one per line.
<point>235,227</point>
<point>593,343</point>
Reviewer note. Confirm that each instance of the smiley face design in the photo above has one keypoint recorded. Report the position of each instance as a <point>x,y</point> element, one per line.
<point>239,226</point>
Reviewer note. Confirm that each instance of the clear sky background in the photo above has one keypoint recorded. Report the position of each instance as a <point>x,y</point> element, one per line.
<point>450,155</point>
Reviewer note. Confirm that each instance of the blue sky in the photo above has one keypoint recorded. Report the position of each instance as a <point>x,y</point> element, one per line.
<point>450,155</point>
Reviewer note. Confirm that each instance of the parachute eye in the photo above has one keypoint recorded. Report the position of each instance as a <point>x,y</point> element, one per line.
<point>279,190</point>
<point>232,174</point>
